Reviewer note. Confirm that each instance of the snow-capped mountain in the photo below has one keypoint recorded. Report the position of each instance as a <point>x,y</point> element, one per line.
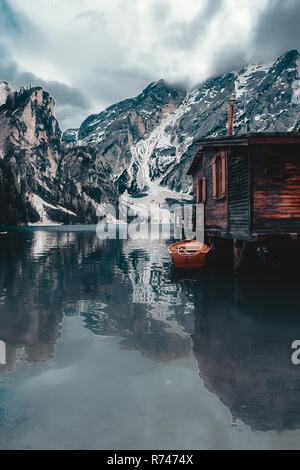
<point>40,182</point>
<point>140,147</point>
<point>150,140</point>
<point>129,132</point>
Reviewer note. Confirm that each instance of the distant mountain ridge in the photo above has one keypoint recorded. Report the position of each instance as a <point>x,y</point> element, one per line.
<point>151,138</point>
<point>140,147</point>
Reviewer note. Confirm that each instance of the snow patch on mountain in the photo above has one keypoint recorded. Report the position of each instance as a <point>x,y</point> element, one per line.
<point>164,138</point>
<point>242,78</point>
<point>41,206</point>
<point>149,140</point>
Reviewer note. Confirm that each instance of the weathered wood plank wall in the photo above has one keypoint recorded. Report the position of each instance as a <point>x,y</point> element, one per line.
<point>276,199</point>
<point>238,192</point>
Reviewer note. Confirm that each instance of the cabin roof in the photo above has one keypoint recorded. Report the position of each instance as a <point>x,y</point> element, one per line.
<point>258,138</point>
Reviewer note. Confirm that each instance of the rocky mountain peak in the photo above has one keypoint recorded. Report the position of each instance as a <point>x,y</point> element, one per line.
<point>162,88</point>
<point>41,182</point>
<point>28,124</point>
<point>141,146</point>
<point>5,91</point>
<point>148,140</point>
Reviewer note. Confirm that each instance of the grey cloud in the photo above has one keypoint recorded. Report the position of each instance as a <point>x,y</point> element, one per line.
<point>94,17</point>
<point>87,14</point>
<point>108,78</point>
<point>111,85</point>
<point>187,35</point>
<point>70,116</point>
<point>277,30</point>
<point>62,93</point>
<point>160,11</point>
<point>12,23</point>
<point>70,101</point>
<point>229,59</point>
<point>8,68</point>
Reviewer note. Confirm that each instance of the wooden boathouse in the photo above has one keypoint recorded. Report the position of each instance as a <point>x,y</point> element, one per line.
<point>250,188</point>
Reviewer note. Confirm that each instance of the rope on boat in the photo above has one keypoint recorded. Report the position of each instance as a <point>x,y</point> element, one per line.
<point>184,252</point>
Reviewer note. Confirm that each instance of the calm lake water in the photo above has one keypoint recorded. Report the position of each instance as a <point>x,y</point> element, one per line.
<point>106,348</point>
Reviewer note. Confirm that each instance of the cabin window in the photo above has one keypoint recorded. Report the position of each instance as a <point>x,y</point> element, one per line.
<point>274,166</point>
<point>219,176</point>
<point>201,191</point>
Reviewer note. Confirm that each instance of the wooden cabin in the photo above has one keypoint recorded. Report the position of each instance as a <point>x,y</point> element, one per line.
<point>250,188</point>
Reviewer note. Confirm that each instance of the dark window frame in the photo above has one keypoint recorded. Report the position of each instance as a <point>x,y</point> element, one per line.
<point>270,160</point>
<point>219,169</point>
<point>201,190</point>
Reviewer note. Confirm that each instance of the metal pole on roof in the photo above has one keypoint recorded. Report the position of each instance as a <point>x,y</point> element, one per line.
<point>232,103</point>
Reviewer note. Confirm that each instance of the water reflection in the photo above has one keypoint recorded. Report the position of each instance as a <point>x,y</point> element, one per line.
<point>244,329</point>
<point>239,330</point>
<point>120,288</point>
<point>29,309</point>
<point>140,304</point>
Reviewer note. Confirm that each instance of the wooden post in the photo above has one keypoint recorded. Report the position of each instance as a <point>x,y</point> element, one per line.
<point>239,250</point>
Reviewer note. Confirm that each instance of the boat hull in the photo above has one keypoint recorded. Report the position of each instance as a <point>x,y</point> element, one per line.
<point>189,254</point>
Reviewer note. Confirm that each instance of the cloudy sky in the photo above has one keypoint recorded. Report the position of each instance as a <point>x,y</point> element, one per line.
<point>92,53</point>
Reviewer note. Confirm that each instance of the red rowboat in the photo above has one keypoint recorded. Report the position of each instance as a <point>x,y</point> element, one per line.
<point>189,254</point>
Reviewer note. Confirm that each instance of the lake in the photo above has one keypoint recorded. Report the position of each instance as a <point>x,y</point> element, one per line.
<point>107,348</point>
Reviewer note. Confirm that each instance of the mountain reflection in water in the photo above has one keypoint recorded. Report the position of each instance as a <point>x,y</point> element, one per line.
<point>239,330</point>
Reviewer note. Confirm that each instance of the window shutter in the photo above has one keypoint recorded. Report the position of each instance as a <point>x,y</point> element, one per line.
<point>223,182</point>
<point>214,177</point>
<point>204,189</point>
